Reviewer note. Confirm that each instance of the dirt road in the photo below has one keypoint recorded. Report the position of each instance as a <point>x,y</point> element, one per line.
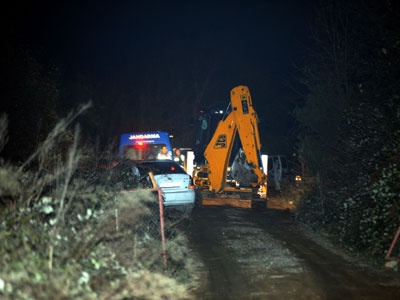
<point>249,254</point>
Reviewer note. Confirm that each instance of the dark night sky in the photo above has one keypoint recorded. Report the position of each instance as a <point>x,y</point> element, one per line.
<point>254,43</point>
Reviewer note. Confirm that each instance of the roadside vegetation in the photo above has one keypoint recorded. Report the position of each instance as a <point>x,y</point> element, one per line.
<point>63,235</point>
<point>349,127</point>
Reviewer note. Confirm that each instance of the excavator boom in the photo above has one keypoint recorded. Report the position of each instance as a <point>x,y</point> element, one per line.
<point>241,120</point>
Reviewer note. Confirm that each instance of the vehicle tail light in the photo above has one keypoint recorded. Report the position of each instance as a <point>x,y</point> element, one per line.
<point>191,185</point>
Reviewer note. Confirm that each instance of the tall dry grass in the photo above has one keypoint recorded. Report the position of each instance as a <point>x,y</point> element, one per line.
<point>63,237</point>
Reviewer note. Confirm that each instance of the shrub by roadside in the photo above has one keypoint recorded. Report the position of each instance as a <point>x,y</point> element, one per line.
<point>59,240</point>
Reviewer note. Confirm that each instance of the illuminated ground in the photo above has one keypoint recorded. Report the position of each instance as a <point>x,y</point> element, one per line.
<point>255,254</point>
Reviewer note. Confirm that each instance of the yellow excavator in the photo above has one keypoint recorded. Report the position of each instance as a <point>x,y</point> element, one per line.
<point>222,182</point>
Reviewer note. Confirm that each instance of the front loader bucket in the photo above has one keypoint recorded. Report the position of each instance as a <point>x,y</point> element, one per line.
<point>227,201</point>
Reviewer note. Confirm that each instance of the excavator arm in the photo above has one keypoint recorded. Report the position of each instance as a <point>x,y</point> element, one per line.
<point>218,152</point>
<point>241,120</point>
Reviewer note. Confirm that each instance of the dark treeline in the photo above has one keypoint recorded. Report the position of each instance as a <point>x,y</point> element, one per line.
<point>349,124</point>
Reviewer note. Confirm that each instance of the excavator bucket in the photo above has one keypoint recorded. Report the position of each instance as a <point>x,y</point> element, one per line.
<point>225,201</point>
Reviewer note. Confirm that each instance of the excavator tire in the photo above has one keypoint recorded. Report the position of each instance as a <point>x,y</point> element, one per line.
<point>198,202</point>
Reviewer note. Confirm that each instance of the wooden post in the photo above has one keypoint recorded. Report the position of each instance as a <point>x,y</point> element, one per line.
<point>161,206</point>
<point>396,237</point>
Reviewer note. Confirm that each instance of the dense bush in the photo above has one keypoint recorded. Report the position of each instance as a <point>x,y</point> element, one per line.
<point>62,238</point>
<point>350,126</point>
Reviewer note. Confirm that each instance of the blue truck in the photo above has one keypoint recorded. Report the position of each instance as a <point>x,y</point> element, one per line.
<point>145,145</point>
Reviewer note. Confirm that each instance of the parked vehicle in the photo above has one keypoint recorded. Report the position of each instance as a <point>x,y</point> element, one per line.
<point>144,145</point>
<point>176,185</point>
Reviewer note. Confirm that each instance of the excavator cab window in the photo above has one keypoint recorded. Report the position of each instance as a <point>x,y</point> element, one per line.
<point>245,107</point>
